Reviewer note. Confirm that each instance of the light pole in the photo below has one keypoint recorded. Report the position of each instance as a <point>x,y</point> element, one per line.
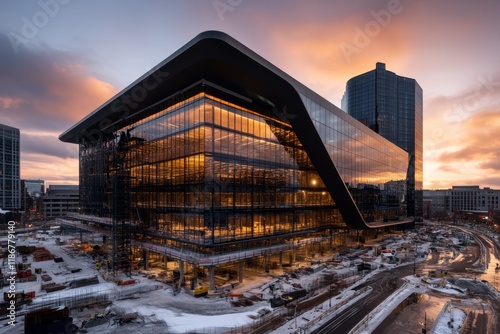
<point>424,330</point>
<point>415,260</point>
<point>330,300</point>
<point>295,315</point>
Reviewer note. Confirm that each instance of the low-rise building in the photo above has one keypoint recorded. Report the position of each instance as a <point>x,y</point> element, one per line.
<point>59,200</point>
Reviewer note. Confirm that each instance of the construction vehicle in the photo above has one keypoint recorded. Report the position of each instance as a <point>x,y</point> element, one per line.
<point>201,291</point>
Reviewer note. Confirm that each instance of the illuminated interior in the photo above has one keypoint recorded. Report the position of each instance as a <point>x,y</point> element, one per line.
<point>205,171</point>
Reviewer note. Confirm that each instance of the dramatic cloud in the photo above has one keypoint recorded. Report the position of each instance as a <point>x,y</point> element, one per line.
<point>62,74</point>
<point>471,151</point>
<point>47,144</point>
<point>43,92</point>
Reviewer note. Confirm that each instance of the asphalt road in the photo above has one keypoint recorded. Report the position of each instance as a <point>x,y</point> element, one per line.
<point>383,285</point>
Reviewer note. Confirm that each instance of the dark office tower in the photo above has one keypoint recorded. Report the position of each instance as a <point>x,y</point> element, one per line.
<point>391,105</point>
<point>10,182</point>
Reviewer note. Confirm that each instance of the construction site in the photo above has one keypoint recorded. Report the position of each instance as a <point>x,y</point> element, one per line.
<point>63,273</point>
<point>216,187</point>
<point>187,268</point>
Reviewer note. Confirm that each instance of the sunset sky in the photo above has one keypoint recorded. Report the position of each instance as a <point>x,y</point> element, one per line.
<point>61,59</point>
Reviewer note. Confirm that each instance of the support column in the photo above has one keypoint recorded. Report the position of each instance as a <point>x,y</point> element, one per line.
<point>240,272</point>
<point>305,246</point>
<point>145,257</point>
<point>181,271</point>
<point>281,259</point>
<point>212,277</point>
<point>194,283</point>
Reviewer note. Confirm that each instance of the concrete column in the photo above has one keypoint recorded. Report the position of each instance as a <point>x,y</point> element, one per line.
<point>212,277</point>
<point>240,272</point>
<point>181,271</point>
<point>195,276</point>
<point>281,259</point>
<point>145,257</point>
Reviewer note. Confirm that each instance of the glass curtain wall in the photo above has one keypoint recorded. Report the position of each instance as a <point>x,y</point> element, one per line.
<point>207,171</point>
<point>373,169</point>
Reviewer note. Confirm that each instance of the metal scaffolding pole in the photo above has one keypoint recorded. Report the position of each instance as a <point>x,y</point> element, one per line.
<point>121,208</point>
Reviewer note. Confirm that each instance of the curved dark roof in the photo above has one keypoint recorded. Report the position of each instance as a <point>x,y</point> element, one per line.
<point>216,57</point>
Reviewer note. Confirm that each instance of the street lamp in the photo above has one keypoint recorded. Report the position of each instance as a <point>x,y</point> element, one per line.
<point>330,300</point>
<point>295,315</point>
<point>415,260</point>
<point>424,330</point>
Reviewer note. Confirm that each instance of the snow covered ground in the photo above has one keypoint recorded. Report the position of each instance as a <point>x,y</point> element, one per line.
<point>160,310</point>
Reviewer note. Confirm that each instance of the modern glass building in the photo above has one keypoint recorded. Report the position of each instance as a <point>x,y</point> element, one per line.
<point>10,181</point>
<point>217,151</point>
<point>34,187</point>
<point>392,106</point>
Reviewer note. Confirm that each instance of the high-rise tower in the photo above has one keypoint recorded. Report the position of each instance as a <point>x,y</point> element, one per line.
<point>391,105</point>
<point>10,182</point>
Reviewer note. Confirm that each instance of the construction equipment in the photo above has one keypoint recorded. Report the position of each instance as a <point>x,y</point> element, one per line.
<point>201,291</point>
<point>18,296</point>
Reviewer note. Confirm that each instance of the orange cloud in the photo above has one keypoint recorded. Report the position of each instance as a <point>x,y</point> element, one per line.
<point>53,170</point>
<point>47,91</point>
<point>474,158</point>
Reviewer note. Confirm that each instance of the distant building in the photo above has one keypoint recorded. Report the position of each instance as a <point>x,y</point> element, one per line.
<point>473,199</point>
<point>392,106</point>
<point>463,199</point>
<point>35,187</point>
<point>31,190</point>
<point>10,182</point>
<point>59,200</point>
<point>437,203</point>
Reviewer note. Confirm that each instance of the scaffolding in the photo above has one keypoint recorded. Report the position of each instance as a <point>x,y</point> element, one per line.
<point>120,190</point>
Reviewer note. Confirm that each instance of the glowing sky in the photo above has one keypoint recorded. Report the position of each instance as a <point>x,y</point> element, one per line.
<point>61,59</point>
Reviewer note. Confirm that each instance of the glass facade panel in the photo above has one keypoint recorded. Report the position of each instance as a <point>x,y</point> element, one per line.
<point>207,171</point>
<point>373,170</point>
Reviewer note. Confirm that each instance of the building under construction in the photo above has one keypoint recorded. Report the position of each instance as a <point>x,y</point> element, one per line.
<point>216,157</point>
